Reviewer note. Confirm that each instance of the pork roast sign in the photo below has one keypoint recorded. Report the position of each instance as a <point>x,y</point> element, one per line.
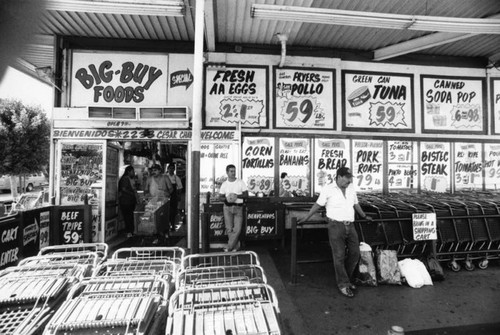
<point>116,79</point>
<point>377,101</point>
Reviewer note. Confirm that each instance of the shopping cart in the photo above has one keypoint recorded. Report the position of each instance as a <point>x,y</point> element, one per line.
<point>220,276</point>
<point>30,295</point>
<point>113,305</point>
<point>174,254</point>
<point>222,310</point>
<point>89,260</point>
<point>220,259</point>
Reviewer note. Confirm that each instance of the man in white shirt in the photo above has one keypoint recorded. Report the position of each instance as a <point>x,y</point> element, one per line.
<point>233,191</point>
<point>340,200</point>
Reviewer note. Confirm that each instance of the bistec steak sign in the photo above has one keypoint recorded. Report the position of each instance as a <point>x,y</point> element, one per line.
<point>115,79</point>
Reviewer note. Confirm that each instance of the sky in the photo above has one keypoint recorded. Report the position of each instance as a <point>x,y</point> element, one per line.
<point>28,90</point>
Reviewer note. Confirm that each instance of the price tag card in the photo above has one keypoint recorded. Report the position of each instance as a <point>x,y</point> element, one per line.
<point>329,155</point>
<point>435,166</point>
<point>294,165</point>
<point>453,104</point>
<point>495,103</point>
<point>236,93</point>
<point>492,166</point>
<point>424,226</point>
<point>375,100</point>
<point>402,176</point>
<point>304,98</point>
<point>258,164</point>
<point>71,226</point>
<point>368,157</point>
<point>468,166</point>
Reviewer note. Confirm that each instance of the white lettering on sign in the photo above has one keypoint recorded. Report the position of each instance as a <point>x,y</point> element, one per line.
<point>9,235</point>
<point>9,256</point>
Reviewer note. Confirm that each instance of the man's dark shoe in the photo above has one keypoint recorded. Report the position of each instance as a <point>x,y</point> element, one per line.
<point>346,291</point>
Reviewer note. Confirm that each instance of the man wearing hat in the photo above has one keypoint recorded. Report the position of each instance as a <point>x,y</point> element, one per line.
<point>340,200</point>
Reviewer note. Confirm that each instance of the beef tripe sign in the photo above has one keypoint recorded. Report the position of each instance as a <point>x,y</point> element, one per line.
<point>261,223</point>
<point>72,227</point>
<point>424,226</point>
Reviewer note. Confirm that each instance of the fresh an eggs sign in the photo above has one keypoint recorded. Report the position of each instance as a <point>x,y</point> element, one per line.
<point>117,79</point>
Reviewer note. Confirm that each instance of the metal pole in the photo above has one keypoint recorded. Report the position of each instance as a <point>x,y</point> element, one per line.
<point>196,126</point>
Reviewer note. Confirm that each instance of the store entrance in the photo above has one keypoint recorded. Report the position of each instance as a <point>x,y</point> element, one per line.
<point>142,155</point>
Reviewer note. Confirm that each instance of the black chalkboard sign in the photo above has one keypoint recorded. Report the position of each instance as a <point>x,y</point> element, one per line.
<point>73,224</point>
<point>261,223</point>
<point>215,223</point>
<point>10,241</point>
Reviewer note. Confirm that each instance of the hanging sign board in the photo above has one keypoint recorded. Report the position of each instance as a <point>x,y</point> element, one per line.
<point>304,98</point>
<point>424,226</point>
<point>402,165</point>
<point>236,94</point>
<point>329,155</point>
<point>118,79</point>
<point>294,160</point>
<point>453,105</point>
<point>368,157</point>
<point>377,101</point>
<point>435,166</point>
<point>258,164</point>
<point>495,103</point>
<point>492,166</point>
<point>468,166</point>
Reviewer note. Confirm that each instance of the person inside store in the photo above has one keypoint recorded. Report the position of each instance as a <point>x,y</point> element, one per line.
<point>175,196</point>
<point>341,201</point>
<point>233,192</point>
<point>128,198</point>
<point>285,186</point>
<point>159,186</point>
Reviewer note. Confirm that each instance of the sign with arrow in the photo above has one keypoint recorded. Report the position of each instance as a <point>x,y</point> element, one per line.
<point>181,78</point>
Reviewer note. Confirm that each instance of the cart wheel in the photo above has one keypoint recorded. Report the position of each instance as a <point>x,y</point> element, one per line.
<point>483,264</point>
<point>454,266</point>
<point>469,266</point>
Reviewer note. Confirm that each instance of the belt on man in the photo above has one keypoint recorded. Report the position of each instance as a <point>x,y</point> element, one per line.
<point>345,223</point>
<point>230,205</point>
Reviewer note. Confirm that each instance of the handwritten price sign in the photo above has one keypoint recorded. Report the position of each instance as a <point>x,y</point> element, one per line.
<point>301,112</point>
<point>387,114</point>
<point>260,184</point>
<point>466,116</point>
<point>248,111</point>
<point>368,181</point>
<point>297,184</point>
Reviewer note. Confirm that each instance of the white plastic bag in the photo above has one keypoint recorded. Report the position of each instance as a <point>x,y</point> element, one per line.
<point>415,272</point>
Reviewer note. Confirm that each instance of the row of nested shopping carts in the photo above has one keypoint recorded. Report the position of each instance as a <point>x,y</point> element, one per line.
<point>76,290</point>
<point>468,226</point>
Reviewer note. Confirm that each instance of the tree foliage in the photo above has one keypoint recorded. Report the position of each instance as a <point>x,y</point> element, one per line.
<point>24,138</point>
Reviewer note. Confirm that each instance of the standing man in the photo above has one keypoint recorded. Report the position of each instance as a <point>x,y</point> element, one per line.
<point>175,196</point>
<point>233,191</point>
<point>128,198</point>
<point>340,200</point>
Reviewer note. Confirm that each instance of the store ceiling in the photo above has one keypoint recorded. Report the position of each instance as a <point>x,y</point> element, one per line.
<point>230,22</point>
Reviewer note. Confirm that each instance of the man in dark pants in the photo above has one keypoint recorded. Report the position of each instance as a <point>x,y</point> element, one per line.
<point>340,200</point>
<point>127,198</point>
<point>175,196</point>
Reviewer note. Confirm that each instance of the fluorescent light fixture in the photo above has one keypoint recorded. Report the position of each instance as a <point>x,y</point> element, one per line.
<point>376,20</point>
<point>120,7</point>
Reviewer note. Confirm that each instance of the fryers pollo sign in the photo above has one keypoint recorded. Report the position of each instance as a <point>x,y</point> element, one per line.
<point>101,79</point>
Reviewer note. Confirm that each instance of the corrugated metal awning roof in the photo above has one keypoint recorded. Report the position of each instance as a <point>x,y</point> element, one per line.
<point>231,22</point>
